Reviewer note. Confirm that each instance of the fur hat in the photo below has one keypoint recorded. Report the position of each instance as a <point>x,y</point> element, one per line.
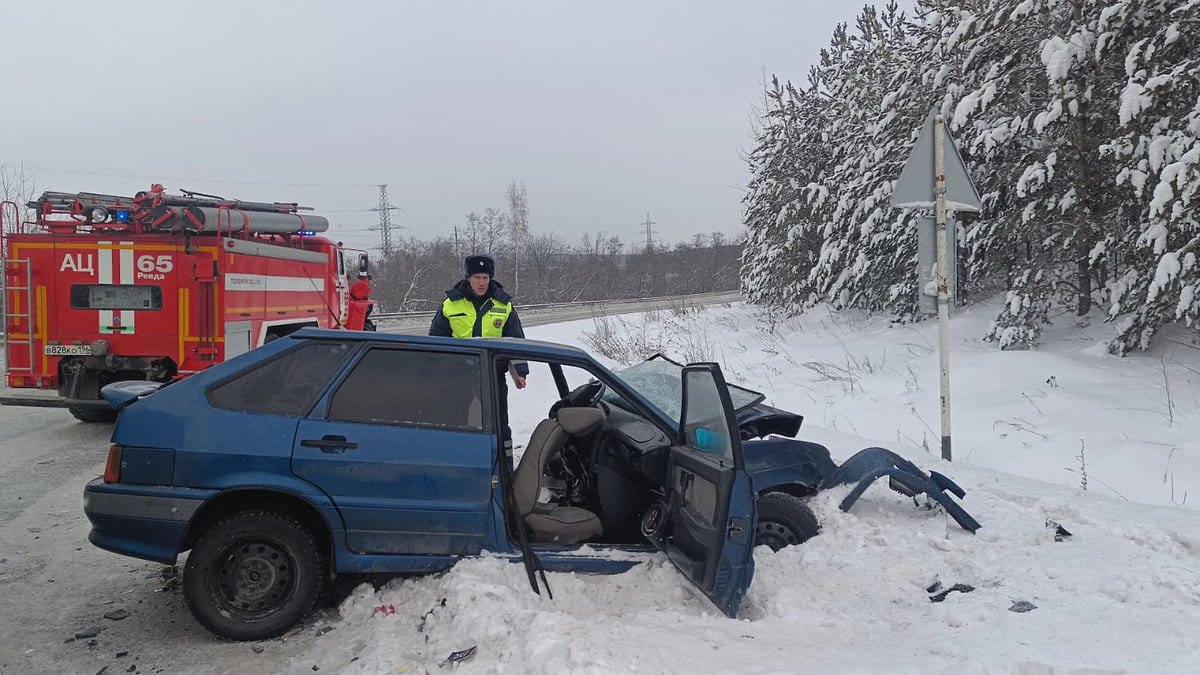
<point>480,264</point>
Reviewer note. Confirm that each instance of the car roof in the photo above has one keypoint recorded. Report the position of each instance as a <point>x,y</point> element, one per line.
<point>515,346</point>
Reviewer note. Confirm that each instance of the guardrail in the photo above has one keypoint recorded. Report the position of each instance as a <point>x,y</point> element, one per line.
<point>682,299</point>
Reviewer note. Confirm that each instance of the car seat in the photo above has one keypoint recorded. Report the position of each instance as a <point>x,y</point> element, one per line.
<point>551,522</point>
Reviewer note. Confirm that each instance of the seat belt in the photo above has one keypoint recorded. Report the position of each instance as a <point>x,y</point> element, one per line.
<point>533,564</point>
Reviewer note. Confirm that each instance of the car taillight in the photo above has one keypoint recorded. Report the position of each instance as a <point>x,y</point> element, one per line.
<point>112,470</point>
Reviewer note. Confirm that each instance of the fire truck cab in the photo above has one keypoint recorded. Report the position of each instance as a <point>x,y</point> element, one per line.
<point>102,288</point>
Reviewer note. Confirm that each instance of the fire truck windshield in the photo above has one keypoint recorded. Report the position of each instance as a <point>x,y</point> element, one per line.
<point>113,296</point>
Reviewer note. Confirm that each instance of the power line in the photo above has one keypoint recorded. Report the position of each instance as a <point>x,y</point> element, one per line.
<point>385,221</point>
<point>649,232</point>
<point>111,174</point>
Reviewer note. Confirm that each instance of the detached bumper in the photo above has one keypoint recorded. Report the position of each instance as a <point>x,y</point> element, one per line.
<point>904,477</point>
<point>146,522</point>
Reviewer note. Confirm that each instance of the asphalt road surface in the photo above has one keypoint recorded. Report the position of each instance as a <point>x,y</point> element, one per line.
<point>55,586</point>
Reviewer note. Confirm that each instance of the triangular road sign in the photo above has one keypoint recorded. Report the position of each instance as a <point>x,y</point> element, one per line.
<point>915,189</point>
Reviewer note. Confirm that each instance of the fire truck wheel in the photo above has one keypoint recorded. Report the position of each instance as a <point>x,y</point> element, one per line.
<point>253,575</point>
<point>93,415</point>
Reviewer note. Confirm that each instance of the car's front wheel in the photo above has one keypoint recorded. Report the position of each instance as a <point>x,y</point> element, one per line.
<point>783,520</point>
<point>253,575</point>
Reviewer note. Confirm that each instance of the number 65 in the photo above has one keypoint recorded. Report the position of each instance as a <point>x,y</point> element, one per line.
<point>149,263</point>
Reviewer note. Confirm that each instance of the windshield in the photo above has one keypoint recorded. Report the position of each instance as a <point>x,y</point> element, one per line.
<point>660,380</point>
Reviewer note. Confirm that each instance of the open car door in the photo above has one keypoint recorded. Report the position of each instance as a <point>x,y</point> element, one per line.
<point>706,522</point>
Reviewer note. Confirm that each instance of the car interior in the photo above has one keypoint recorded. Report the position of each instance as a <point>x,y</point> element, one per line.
<point>591,468</point>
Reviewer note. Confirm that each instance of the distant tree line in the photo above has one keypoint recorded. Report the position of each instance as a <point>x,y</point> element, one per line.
<point>546,267</point>
<point>18,187</point>
<point>1078,119</point>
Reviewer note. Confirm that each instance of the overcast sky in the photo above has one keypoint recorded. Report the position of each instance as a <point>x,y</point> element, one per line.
<point>605,110</point>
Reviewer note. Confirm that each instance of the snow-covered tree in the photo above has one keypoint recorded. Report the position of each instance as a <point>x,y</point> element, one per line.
<point>1159,114</point>
<point>870,248</point>
<point>1078,119</point>
<point>818,222</point>
<point>787,163</point>
<point>1036,111</point>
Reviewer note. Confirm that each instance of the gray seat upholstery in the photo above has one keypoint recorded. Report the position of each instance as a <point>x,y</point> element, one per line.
<point>549,522</point>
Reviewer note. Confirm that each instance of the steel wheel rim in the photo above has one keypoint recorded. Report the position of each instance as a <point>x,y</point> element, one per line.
<point>254,577</point>
<point>775,534</point>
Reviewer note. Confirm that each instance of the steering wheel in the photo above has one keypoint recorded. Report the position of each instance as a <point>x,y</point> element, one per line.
<point>584,396</point>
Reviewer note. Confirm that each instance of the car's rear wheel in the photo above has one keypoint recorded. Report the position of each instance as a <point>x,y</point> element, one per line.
<point>253,575</point>
<point>93,415</point>
<point>784,520</point>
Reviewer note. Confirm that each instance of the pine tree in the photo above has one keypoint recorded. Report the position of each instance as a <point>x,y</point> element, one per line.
<point>1079,119</point>
<point>818,221</point>
<point>871,247</point>
<point>1159,113</point>
<point>787,165</point>
<point>1035,110</point>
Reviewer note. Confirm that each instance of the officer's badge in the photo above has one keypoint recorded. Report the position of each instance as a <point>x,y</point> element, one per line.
<point>498,322</point>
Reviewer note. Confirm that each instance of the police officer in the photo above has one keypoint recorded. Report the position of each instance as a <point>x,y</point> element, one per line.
<point>478,306</point>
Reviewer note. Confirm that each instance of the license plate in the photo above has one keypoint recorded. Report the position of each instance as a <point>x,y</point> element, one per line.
<point>68,350</point>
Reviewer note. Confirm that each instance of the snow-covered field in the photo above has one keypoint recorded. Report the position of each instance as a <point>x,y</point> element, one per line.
<point>1121,594</point>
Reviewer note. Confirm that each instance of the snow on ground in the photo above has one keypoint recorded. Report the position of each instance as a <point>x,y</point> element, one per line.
<point>1121,594</point>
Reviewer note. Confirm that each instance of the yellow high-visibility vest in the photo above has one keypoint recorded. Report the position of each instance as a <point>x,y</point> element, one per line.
<point>461,314</point>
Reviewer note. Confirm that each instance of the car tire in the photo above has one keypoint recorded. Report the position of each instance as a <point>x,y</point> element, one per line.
<point>783,520</point>
<point>253,575</point>
<point>93,415</point>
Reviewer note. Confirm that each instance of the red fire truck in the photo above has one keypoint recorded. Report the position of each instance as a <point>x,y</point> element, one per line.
<point>102,288</point>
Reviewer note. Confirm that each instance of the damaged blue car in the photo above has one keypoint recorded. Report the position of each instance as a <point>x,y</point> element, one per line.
<point>328,452</point>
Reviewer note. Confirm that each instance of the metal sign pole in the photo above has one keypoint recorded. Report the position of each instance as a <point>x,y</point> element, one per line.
<point>943,284</point>
<point>935,163</point>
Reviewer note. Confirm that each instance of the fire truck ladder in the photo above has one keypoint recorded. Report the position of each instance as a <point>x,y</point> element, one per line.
<point>206,286</point>
<point>18,280</point>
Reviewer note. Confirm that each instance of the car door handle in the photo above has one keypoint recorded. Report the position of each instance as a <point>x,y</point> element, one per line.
<point>329,443</point>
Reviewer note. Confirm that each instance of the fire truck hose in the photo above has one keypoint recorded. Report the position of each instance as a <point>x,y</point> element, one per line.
<point>207,219</point>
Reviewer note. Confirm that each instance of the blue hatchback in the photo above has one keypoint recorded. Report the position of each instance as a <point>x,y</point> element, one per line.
<point>334,452</point>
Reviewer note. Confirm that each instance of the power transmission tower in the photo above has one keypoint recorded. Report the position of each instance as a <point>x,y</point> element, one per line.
<point>649,232</point>
<point>385,221</point>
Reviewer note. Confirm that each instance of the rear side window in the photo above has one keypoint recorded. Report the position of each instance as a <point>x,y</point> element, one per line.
<point>288,384</point>
<point>412,388</point>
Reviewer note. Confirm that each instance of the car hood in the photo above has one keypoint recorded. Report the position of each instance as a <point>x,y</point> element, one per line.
<point>760,421</point>
<point>786,461</point>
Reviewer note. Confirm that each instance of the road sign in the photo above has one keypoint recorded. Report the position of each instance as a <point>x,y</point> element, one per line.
<point>917,185</point>
<point>935,177</point>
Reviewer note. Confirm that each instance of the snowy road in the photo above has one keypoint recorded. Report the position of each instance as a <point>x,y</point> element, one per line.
<point>56,588</point>
<point>53,583</point>
<point>541,316</point>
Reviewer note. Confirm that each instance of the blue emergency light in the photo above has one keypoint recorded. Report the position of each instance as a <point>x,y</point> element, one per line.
<point>121,216</point>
